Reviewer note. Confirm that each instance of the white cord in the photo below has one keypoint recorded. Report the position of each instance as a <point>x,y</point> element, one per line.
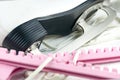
<point>32,75</point>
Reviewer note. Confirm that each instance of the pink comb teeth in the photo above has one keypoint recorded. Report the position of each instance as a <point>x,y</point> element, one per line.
<point>60,64</point>
<point>101,56</point>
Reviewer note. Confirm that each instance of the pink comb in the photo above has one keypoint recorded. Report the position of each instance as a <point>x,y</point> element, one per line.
<point>30,61</point>
<point>99,56</point>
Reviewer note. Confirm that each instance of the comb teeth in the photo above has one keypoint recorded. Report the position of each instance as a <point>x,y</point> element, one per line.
<point>29,55</point>
<point>91,51</point>
<point>98,51</point>
<point>89,65</point>
<point>105,69</point>
<point>115,70</point>
<point>106,50</point>
<point>114,49</point>
<point>80,63</point>
<point>65,57</point>
<point>84,69</point>
<point>96,67</point>
<point>21,53</point>
<point>99,56</point>
<point>62,63</point>
<point>84,64</point>
<point>36,57</point>
<point>105,55</point>
<point>3,50</point>
<point>13,52</point>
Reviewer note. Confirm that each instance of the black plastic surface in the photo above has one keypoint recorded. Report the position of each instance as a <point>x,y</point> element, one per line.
<point>23,36</point>
<point>63,23</point>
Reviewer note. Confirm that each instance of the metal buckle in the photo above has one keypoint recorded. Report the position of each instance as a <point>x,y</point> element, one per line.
<point>90,31</point>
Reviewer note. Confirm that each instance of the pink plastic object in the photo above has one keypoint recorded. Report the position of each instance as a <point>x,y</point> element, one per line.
<point>7,71</point>
<point>66,66</point>
<point>100,56</point>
